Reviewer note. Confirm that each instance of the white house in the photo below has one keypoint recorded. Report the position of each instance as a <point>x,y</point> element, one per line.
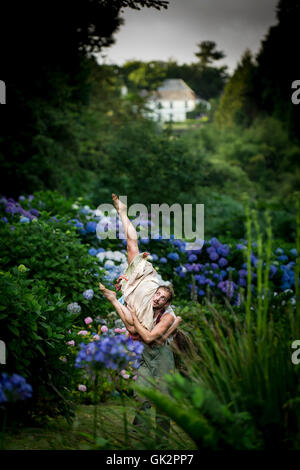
<point>172,100</point>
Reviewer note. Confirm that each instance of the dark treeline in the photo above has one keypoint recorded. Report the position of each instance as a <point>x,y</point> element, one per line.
<point>67,127</point>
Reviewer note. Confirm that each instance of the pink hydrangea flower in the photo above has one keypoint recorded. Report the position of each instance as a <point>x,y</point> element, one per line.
<point>125,376</point>
<point>134,377</point>
<point>82,388</point>
<point>104,329</point>
<point>88,320</point>
<point>122,330</point>
<point>117,330</point>
<point>123,371</point>
<point>82,332</point>
<point>97,337</point>
<point>71,343</point>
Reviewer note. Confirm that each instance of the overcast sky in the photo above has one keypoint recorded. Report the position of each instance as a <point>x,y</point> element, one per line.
<point>150,34</point>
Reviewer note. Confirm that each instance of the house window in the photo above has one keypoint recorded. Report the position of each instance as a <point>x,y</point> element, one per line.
<point>186,104</point>
<point>171,104</point>
<point>171,116</point>
<point>159,105</point>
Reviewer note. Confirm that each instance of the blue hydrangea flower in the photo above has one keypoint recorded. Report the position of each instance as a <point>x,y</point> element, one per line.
<point>84,210</point>
<point>4,219</point>
<point>282,258</point>
<point>88,294</point>
<point>293,251</point>
<point>213,255</point>
<point>74,307</point>
<point>163,260</point>
<point>239,246</point>
<point>111,352</point>
<point>92,251</point>
<point>223,274</point>
<point>14,387</point>
<point>154,257</point>
<point>279,251</point>
<point>173,256</point>
<point>223,250</point>
<point>201,292</point>
<point>192,258</point>
<point>91,227</point>
<point>273,271</point>
<point>242,282</point>
<point>24,220</point>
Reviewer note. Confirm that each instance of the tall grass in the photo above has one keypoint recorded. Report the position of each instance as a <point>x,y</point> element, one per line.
<point>244,379</point>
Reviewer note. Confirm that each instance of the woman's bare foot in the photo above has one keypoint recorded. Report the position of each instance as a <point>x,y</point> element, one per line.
<point>109,294</point>
<point>120,206</point>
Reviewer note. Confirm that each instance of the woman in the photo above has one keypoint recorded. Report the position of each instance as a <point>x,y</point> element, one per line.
<point>142,290</point>
<point>145,309</point>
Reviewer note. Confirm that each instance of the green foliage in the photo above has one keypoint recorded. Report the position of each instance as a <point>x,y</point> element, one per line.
<point>198,411</point>
<point>53,253</point>
<point>34,317</point>
<point>35,330</point>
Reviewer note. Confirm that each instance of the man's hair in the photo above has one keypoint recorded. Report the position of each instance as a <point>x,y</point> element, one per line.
<point>168,288</point>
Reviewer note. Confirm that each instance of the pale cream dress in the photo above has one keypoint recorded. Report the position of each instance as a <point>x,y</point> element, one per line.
<point>139,290</point>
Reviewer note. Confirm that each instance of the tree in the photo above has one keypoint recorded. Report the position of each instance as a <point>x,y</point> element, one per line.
<point>278,67</point>
<point>207,53</point>
<point>46,64</point>
<point>237,102</point>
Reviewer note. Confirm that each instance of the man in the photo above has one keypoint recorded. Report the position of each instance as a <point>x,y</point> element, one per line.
<point>155,320</point>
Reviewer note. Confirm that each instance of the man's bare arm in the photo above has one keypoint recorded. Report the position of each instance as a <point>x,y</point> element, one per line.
<point>157,332</point>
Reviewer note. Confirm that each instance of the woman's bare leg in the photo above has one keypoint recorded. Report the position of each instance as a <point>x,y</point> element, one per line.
<point>130,232</point>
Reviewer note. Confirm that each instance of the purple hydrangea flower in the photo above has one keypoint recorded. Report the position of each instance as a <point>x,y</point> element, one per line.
<point>243,273</point>
<point>227,287</point>
<point>222,262</point>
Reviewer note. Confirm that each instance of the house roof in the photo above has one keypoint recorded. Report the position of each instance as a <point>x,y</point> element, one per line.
<point>174,89</point>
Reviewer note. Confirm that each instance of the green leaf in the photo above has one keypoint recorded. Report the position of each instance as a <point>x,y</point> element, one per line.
<point>14,330</point>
